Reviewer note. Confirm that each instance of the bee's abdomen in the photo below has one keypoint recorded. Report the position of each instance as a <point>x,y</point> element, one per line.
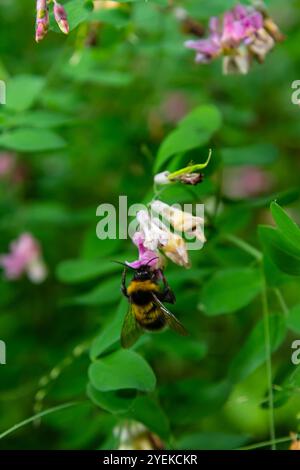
<point>155,324</point>
<point>149,317</point>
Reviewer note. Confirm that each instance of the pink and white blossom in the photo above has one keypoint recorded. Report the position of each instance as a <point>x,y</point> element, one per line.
<point>7,164</point>
<point>60,16</point>
<point>42,20</point>
<point>24,258</point>
<point>243,34</point>
<point>146,256</point>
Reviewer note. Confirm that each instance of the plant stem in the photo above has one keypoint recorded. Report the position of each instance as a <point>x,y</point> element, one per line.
<point>266,443</point>
<point>281,301</point>
<point>245,247</point>
<point>268,365</point>
<point>34,417</point>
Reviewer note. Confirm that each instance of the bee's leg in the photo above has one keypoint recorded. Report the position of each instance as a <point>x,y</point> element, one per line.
<point>123,286</point>
<point>167,295</point>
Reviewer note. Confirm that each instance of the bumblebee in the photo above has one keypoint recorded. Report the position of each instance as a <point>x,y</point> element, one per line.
<point>146,310</point>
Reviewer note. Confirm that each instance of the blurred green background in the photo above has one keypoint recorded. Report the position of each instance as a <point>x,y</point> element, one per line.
<point>84,119</point>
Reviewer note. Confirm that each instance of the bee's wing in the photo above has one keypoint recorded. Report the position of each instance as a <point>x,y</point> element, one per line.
<point>131,331</point>
<point>171,320</point>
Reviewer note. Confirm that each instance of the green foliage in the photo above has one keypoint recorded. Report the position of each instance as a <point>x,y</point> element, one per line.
<point>281,252</point>
<point>230,290</point>
<point>93,116</point>
<point>195,130</point>
<point>253,352</point>
<point>31,140</point>
<point>293,321</point>
<point>122,370</point>
<point>74,271</point>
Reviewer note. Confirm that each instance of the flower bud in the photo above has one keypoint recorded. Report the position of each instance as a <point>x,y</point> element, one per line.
<point>162,178</point>
<point>42,20</point>
<point>60,16</point>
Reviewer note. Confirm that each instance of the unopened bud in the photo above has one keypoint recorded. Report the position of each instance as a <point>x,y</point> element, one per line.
<point>162,178</point>
<point>60,16</point>
<point>42,20</point>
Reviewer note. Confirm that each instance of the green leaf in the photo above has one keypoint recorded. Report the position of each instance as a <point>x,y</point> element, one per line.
<point>204,118</point>
<point>193,131</point>
<point>46,213</point>
<point>274,276</point>
<point>110,335</point>
<point>257,154</point>
<point>113,402</point>
<point>230,290</point>
<point>147,411</point>
<point>107,292</point>
<point>43,119</point>
<point>114,17</point>
<point>287,227</point>
<point>123,369</point>
<point>31,140</point>
<point>293,320</point>
<point>81,270</point>
<point>22,91</point>
<point>253,352</point>
<point>203,397</point>
<point>282,253</point>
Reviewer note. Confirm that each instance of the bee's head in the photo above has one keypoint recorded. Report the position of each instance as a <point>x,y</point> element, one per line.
<point>143,273</point>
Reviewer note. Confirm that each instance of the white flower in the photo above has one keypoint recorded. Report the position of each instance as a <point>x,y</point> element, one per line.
<point>37,271</point>
<point>180,220</point>
<point>154,236</point>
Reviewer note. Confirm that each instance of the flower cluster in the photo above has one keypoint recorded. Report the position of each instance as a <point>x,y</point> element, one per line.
<point>24,258</point>
<point>42,18</point>
<point>154,235</point>
<point>246,33</point>
<point>162,229</point>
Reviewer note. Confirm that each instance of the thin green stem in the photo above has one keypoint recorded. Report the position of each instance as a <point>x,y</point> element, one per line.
<point>258,445</point>
<point>281,301</point>
<point>37,416</point>
<point>245,247</point>
<point>268,365</point>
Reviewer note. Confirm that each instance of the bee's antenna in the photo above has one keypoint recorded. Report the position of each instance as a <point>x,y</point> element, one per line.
<point>123,264</point>
<point>152,259</point>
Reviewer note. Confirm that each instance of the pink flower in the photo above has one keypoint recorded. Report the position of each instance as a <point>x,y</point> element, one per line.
<point>207,49</point>
<point>246,181</point>
<point>60,16</point>
<point>244,33</point>
<point>240,24</point>
<point>25,257</point>
<point>42,20</point>
<point>146,256</point>
<point>7,163</point>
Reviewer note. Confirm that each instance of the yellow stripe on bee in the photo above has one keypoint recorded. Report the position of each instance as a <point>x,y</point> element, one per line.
<point>145,313</point>
<point>135,286</point>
